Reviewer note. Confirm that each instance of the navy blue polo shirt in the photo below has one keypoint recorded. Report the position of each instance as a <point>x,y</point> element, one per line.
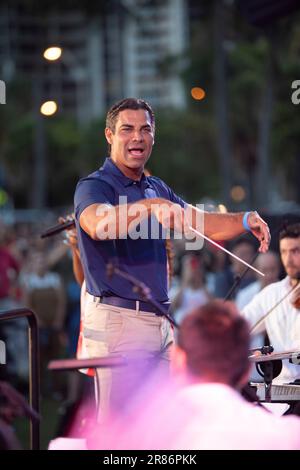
<point>146,259</point>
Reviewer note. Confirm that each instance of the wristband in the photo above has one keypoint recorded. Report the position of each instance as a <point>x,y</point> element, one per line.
<point>245,222</point>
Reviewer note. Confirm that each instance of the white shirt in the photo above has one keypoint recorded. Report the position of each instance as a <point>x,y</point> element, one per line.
<point>244,296</point>
<point>282,325</point>
<point>221,419</point>
<point>33,281</point>
<point>210,416</point>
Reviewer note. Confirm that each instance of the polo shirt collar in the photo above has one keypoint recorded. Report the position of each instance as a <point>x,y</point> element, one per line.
<point>112,168</point>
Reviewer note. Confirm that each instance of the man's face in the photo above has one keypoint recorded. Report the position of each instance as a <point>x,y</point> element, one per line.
<point>290,255</point>
<point>133,138</point>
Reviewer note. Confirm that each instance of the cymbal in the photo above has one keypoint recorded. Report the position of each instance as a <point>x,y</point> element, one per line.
<point>294,356</point>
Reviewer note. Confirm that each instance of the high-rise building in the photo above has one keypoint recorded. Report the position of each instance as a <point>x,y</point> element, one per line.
<point>75,80</point>
<point>155,39</point>
<point>129,48</point>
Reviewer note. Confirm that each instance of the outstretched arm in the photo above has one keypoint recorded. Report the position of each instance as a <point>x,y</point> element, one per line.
<point>106,222</point>
<point>103,222</point>
<point>226,226</point>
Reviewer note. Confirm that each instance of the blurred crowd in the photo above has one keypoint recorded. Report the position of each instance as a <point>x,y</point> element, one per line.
<point>37,273</point>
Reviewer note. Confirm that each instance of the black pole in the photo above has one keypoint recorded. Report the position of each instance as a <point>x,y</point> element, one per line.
<point>144,290</point>
<point>34,382</point>
<point>238,278</point>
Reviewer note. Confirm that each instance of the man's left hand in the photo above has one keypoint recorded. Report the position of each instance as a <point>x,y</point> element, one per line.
<point>260,230</point>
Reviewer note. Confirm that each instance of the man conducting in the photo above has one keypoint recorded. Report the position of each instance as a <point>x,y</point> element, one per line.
<point>116,208</point>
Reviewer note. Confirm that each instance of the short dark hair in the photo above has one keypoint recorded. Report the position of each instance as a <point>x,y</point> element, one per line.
<point>290,231</point>
<point>216,339</point>
<point>127,103</point>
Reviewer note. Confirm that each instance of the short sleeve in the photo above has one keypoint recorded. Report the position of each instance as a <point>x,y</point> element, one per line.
<point>166,192</point>
<point>176,199</point>
<point>91,191</point>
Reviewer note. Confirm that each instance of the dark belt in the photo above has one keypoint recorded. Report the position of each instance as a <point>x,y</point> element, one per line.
<point>131,304</point>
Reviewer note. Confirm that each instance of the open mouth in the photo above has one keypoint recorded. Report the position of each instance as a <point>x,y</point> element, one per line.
<point>136,151</point>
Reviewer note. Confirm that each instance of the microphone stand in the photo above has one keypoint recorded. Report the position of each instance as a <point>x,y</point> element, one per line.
<point>238,278</point>
<point>141,289</point>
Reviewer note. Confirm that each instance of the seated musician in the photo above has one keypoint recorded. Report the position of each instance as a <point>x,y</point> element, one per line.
<point>283,323</point>
<point>211,364</point>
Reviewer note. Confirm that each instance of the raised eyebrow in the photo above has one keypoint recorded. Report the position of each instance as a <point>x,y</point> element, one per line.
<point>130,126</point>
<point>291,250</point>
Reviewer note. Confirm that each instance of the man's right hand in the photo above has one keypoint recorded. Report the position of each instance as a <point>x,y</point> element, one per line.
<point>168,214</point>
<point>260,230</point>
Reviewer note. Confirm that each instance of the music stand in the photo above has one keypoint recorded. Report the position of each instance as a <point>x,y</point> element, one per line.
<point>93,363</point>
<point>269,367</point>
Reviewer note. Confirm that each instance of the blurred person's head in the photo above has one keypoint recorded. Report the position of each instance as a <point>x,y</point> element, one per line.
<point>289,245</point>
<point>244,249</point>
<point>192,270</point>
<point>269,264</point>
<point>213,345</point>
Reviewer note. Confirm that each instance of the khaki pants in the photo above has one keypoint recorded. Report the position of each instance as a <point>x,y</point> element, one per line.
<point>143,338</point>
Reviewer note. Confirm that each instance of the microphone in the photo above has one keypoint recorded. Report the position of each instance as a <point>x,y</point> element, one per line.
<point>58,228</point>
